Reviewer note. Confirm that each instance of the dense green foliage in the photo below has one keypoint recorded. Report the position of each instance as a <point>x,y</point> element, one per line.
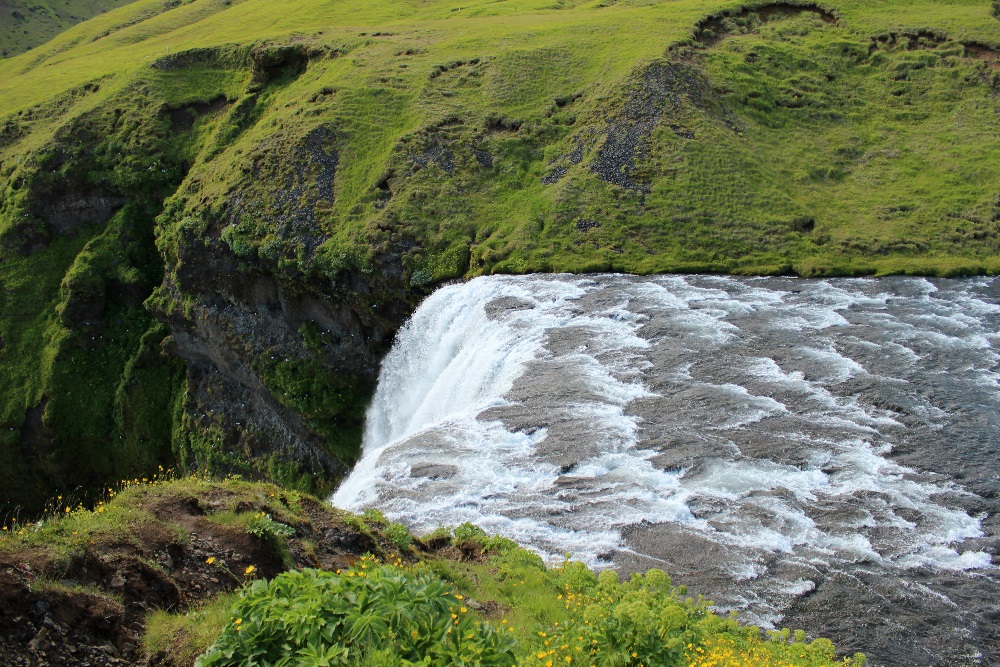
<point>396,614</point>
<point>311,617</point>
<point>87,396</point>
<point>162,146</point>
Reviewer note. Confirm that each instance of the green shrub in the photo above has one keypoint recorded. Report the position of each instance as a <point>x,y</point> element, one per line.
<point>646,621</point>
<point>468,532</point>
<point>311,618</point>
<point>399,535</point>
<point>263,526</point>
<point>375,517</point>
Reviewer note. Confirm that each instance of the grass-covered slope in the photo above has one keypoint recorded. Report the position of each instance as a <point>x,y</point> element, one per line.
<point>307,167</point>
<point>26,24</point>
<point>861,137</point>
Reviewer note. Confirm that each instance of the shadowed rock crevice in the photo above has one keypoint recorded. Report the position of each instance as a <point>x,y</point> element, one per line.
<point>182,118</point>
<point>716,27</point>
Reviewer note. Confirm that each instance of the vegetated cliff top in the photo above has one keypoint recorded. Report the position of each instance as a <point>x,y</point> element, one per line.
<point>560,135</point>
<point>26,24</point>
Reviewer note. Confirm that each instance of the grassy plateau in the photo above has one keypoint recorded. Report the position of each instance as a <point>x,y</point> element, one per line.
<point>24,25</point>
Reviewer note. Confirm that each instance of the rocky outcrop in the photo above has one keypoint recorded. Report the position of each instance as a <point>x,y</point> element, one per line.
<point>282,352</point>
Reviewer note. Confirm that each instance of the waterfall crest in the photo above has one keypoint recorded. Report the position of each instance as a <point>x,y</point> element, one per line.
<point>772,433</point>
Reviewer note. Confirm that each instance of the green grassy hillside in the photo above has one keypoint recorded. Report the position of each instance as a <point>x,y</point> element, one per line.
<point>25,25</point>
<point>306,168</point>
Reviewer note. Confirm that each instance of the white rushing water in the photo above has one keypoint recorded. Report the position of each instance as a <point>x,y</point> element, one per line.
<point>454,360</point>
<point>758,414</point>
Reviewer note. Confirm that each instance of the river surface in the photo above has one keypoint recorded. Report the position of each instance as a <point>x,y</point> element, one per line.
<point>822,454</point>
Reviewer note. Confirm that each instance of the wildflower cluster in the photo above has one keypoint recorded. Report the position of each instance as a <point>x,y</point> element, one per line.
<point>646,622</point>
<point>159,477</point>
<point>74,504</point>
<point>642,622</point>
<point>735,651</point>
<point>249,572</point>
<point>311,617</point>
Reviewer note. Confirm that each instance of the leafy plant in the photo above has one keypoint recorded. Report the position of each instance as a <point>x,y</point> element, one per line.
<point>263,526</point>
<point>399,535</point>
<point>311,618</point>
<point>646,621</point>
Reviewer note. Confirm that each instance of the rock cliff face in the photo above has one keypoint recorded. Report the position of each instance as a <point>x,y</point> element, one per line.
<point>280,364</point>
<point>267,357</point>
<point>281,349</point>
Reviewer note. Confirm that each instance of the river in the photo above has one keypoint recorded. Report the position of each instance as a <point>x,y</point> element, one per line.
<point>819,454</point>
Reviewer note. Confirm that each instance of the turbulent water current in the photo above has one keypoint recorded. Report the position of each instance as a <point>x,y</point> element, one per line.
<point>821,454</point>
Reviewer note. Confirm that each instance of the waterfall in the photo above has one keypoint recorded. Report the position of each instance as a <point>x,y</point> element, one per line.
<point>774,442</point>
<point>562,410</point>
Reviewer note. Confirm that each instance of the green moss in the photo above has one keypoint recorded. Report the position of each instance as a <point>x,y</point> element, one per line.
<point>86,395</point>
<point>332,404</point>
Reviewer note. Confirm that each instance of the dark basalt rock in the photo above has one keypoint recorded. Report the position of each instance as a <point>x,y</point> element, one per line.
<point>244,316</point>
<point>433,471</point>
<point>65,213</point>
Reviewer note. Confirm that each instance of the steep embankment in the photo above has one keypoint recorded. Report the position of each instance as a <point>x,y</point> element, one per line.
<point>25,25</point>
<point>309,169</point>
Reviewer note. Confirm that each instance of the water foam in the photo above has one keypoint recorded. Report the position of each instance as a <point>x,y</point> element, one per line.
<point>443,443</point>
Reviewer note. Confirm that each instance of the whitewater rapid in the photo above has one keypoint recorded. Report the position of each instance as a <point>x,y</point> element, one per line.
<point>761,436</point>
